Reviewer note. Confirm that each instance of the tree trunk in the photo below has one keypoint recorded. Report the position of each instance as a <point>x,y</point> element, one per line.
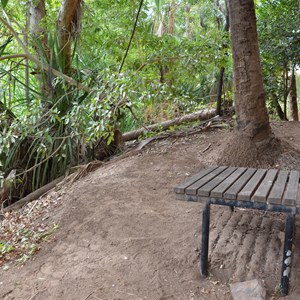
<point>278,108</point>
<point>26,63</point>
<point>222,70</point>
<point>249,96</point>
<point>171,23</point>
<point>293,98</point>
<point>37,12</point>
<point>219,91</point>
<point>285,90</point>
<point>187,21</point>
<point>163,68</point>
<point>69,23</point>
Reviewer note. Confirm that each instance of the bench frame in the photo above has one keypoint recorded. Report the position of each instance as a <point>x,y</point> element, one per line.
<point>183,193</point>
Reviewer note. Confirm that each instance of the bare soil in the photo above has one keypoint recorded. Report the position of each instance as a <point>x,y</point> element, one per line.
<point>122,234</point>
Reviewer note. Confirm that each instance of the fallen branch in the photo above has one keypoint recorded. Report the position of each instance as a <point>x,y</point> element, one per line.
<point>200,115</point>
<point>204,150</point>
<point>82,170</point>
<point>34,195</point>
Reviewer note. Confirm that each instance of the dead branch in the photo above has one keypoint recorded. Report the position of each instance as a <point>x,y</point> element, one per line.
<point>34,195</point>
<point>204,150</point>
<point>200,115</point>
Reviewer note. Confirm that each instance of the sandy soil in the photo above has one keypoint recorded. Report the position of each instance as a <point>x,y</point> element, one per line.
<point>122,234</point>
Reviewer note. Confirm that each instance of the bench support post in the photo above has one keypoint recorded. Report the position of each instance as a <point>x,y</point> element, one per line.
<point>287,254</point>
<point>205,239</point>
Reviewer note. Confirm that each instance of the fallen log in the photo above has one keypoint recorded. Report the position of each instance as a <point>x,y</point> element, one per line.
<point>199,115</point>
<point>34,195</point>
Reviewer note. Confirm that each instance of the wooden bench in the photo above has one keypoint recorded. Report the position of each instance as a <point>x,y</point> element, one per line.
<point>267,190</point>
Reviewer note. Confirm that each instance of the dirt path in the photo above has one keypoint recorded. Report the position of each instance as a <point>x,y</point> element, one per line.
<point>122,234</point>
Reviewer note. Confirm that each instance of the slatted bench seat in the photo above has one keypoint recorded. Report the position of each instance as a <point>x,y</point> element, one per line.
<point>267,190</point>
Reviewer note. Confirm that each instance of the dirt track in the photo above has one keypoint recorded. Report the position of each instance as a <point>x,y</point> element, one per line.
<point>122,234</point>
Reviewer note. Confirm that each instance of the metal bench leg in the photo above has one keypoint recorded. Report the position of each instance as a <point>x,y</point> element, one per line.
<point>287,254</point>
<point>205,239</point>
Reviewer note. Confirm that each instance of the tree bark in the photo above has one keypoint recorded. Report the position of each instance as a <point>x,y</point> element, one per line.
<point>219,91</point>
<point>69,23</point>
<point>222,70</point>
<point>37,12</point>
<point>293,98</point>
<point>278,108</point>
<point>252,116</point>
<point>26,63</point>
<point>187,21</point>
<point>285,90</point>
<point>171,22</point>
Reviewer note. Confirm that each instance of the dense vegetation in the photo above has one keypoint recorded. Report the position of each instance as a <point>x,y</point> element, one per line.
<point>69,82</point>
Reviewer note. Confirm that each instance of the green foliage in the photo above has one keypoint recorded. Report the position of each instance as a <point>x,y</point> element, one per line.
<point>48,125</point>
<point>4,3</point>
<point>6,248</point>
<point>279,35</point>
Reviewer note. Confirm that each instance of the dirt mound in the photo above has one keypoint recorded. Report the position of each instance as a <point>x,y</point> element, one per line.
<point>122,234</point>
<point>240,151</point>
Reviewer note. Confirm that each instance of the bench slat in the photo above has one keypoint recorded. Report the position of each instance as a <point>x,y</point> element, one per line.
<point>277,191</point>
<point>220,189</point>
<point>291,193</point>
<point>180,188</point>
<point>205,190</point>
<point>262,191</point>
<point>232,192</point>
<point>192,189</point>
<point>248,190</point>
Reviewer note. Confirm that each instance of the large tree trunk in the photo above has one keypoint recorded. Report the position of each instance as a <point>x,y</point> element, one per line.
<point>293,98</point>
<point>69,22</point>
<point>252,116</point>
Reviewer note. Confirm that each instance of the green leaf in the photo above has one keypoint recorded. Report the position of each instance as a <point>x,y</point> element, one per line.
<point>4,3</point>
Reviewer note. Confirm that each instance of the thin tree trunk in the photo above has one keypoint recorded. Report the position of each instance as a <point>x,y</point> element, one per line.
<point>69,24</point>
<point>293,98</point>
<point>37,12</point>
<point>278,108</point>
<point>171,23</point>
<point>219,91</point>
<point>250,106</point>
<point>187,21</point>
<point>222,70</point>
<point>26,70</point>
<point>286,90</point>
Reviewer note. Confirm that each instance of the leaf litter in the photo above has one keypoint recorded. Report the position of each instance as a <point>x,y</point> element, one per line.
<point>22,231</point>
